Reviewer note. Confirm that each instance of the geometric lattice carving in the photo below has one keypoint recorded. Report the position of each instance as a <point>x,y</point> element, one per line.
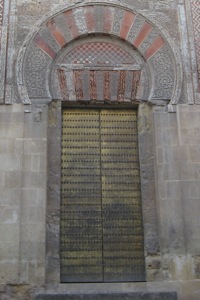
<point>163,73</point>
<point>195,5</point>
<point>35,72</point>
<point>98,53</point>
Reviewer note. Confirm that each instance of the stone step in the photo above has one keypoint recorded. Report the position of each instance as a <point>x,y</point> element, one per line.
<point>110,296</point>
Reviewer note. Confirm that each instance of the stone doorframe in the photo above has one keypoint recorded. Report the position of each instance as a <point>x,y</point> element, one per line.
<point>54,34</point>
<point>150,215</point>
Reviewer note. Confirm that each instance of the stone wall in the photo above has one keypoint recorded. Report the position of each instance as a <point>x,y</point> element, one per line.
<point>11,155</point>
<point>172,248</point>
<point>23,194</point>
<point>33,199</point>
<point>189,140</point>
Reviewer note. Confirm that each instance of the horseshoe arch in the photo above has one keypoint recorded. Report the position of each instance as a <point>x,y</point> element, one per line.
<point>48,46</point>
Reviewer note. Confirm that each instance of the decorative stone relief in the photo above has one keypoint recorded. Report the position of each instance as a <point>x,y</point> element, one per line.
<point>119,13</point>
<point>1,16</point>
<point>139,21</point>
<point>163,74</point>
<point>168,21</point>
<point>35,72</point>
<point>4,13</point>
<point>31,11</point>
<point>3,63</point>
<point>110,83</point>
<point>195,6</point>
<point>1,54</point>
<point>149,40</point>
<point>78,21</point>
<point>98,54</point>
<point>81,24</point>
<point>61,26</point>
<point>48,38</point>
<point>162,4</point>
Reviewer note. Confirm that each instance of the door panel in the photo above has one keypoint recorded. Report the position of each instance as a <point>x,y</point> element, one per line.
<point>121,199</point>
<point>101,213</point>
<point>81,224</point>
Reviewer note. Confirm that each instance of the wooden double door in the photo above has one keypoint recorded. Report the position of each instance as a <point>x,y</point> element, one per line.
<point>101,213</point>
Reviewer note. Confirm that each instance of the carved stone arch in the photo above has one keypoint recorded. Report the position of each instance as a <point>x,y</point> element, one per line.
<point>42,49</point>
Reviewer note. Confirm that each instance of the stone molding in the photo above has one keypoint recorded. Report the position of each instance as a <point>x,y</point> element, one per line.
<point>191,38</point>
<point>4,25</point>
<point>195,10</point>
<point>1,14</point>
<point>2,63</point>
<point>47,39</point>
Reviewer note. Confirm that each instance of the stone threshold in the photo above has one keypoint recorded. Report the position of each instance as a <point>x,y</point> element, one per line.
<point>109,296</point>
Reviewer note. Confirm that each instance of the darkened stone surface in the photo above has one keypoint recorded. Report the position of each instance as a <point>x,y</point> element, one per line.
<point>117,296</point>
